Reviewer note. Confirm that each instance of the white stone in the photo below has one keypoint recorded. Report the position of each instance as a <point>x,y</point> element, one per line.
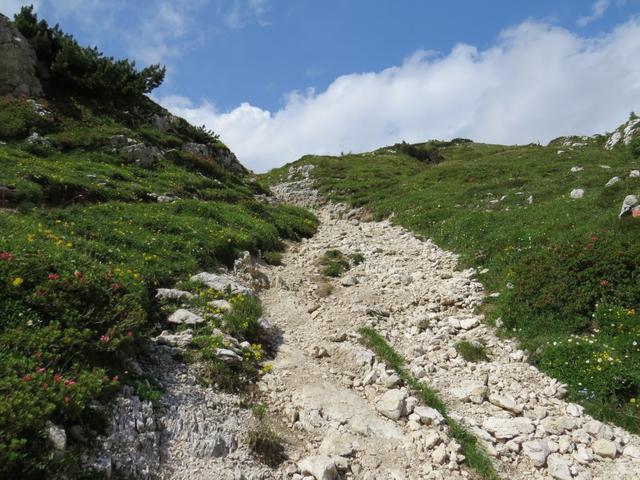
<point>468,323</point>
<point>575,410</point>
<point>612,181</point>
<point>221,283</point>
<point>182,316</point>
<point>439,455</point>
<point>576,169</point>
<point>577,193</point>
<point>558,425</point>
<point>583,456</point>
<point>179,339</point>
<point>227,356</point>
<point>537,451</point>
<point>634,174</point>
<point>604,448</point>
<point>57,437</point>
<point>506,428</point>
<point>506,402</point>
<point>632,451</point>
<point>559,467</point>
<point>321,467</point>
<point>349,281</point>
<point>172,294</point>
<point>428,415</point>
<point>470,390</point>
<point>392,404</point>
<point>629,202</point>
<point>431,439</point>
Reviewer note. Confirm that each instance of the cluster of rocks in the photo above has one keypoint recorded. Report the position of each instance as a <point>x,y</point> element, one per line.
<point>332,391</point>
<point>624,134</point>
<point>298,187</point>
<point>193,432</point>
<point>571,143</point>
<point>630,202</point>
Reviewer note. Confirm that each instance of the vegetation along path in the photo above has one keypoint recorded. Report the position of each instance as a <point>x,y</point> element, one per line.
<point>356,415</point>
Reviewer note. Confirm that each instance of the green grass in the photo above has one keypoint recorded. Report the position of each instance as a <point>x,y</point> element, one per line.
<point>334,263</point>
<point>552,260</point>
<point>472,351</point>
<point>83,247</point>
<point>475,456</point>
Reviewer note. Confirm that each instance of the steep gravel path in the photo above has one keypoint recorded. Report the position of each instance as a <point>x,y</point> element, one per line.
<point>349,413</point>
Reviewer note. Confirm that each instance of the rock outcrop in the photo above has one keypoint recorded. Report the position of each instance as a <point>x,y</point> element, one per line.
<point>18,63</point>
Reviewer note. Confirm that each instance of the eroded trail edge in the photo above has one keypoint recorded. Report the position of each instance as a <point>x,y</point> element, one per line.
<point>351,415</point>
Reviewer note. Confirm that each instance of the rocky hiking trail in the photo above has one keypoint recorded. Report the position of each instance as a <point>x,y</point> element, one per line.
<point>347,414</point>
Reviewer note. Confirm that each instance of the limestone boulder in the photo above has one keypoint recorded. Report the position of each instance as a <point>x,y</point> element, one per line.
<point>18,63</point>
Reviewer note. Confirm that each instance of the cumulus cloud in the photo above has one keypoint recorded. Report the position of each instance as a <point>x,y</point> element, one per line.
<point>537,82</point>
<point>597,10</point>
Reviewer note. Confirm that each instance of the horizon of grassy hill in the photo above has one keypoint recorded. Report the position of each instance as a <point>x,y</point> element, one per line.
<point>564,272</point>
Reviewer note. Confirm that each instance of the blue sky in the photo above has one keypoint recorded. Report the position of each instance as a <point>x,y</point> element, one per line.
<point>278,78</point>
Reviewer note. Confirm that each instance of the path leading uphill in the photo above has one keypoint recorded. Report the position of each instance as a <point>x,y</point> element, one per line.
<point>350,415</point>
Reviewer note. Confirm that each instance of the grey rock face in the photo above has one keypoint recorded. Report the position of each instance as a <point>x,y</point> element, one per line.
<point>221,283</point>
<point>198,149</point>
<point>18,63</point>
<point>228,160</point>
<point>141,154</point>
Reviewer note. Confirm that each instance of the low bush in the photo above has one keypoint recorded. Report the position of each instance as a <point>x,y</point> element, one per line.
<point>263,441</point>
<point>18,119</point>
<point>85,69</point>
<point>272,258</point>
<point>566,280</point>
<point>472,351</point>
<point>423,153</point>
<point>334,263</point>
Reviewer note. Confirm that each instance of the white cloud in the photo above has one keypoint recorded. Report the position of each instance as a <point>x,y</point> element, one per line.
<point>242,12</point>
<point>11,7</point>
<point>597,10</point>
<point>538,82</point>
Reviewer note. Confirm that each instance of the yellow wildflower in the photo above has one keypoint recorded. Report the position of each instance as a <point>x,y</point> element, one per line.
<point>17,281</point>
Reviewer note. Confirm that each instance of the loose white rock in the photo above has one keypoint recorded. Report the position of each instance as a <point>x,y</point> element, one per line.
<point>604,448</point>
<point>506,428</point>
<point>428,415</point>
<point>182,316</point>
<point>320,466</point>
<point>537,451</point>
<point>173,294</point>
<point>392,404</point>
<point>577,193</point>
<point>559,467</point>
<point>612,181</point>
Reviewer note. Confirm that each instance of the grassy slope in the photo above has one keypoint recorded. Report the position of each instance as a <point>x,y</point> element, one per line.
<point>82,250</point>
<point>560,256</point>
